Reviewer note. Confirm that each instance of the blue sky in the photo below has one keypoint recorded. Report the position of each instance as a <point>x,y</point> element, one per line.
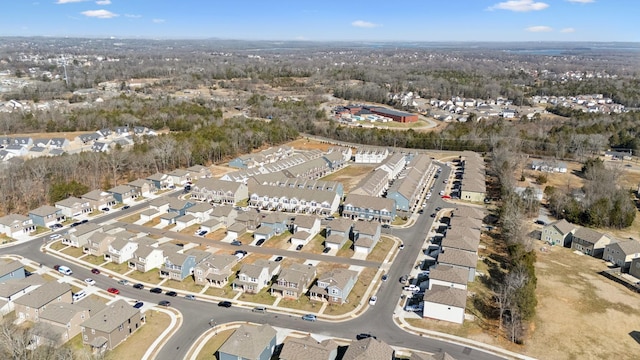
<point>347,20</point>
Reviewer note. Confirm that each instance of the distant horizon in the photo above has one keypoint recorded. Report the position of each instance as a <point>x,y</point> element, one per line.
<point>327,21</point>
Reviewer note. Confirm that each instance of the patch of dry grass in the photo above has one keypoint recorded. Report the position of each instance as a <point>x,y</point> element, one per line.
<point>350,175</point>
<point>209,350</point>
<point>381,250</point>
<point>152,276</point>
<point>138,343</point>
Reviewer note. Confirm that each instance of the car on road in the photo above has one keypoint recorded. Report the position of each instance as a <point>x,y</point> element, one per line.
<point>299,247</point>
<point>190,297</point>
<point>138,286</point>
<point>373,300</point>
<point>125,207</point>
<point>75,224</point>
<point>401,247</point>
<point>225,303</point>
<point>364,336</point>
<point>404,278</point>
<point>326,250</point>
<point>411,288</point>
<point>385,226</point>
<point>95,271</point>
<point>84,221</point>
<point>156,290</point>
<point>277,259</point>
<point>433,215</point>
<point>309,317</point>
<point>236,243</point>
<point>123,282</point>
<point>385,277</point>
<point>105,209</point>
<point>259,309</point>
<point>64,270</point>
<point>89,281</point>
<point>55,226</point>
<point>113,291</point>
<point>138,304</point>
<point>54,236</point>
<point>164,303</point>
<point>202,233</point>
<point>438,208</point>
<point>171,293</point>
<point>260,242</point>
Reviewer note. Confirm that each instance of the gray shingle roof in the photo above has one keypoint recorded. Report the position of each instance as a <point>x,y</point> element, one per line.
<point>307,348</point>
<point>368,349</point>
<point>248,342</point>
<point>450,274</point>
<point>458,257</point>
<point>43,295</point>
<point>62,313</point>
<point>446,295</point>
<point>109,318</point>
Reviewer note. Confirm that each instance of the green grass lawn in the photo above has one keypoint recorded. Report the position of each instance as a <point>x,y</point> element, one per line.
<point>381,249</point>
<point>152,276</point>
<point>211,347</point>
<point>263,297</point>
<point>119,268</point>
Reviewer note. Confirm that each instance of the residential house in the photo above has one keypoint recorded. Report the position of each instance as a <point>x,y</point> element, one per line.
<point>219,191</point>
<point>449,276</point>
<point>334,286</point>
<point>143,187</point>
<point>98,243</point>
<point>249,342</point>
<point>120,250</point>
<point>461,240</point>
<point>30,305</point>
<point>73,206</point>
<point>473,186</point>
<point>308,348</point>
<point>590,242</point>
<point>146,258</point>
<point>200,211</point>
<point>226,214</point>
<point>254,277</point>
<point>11,270</point>
<point>445,303</point>
<point>99,199</point>
<point>80,235</point>
<point>282,180</point>
<point>393,165</point>
<point>249,218</point>
<point>370,155</point>
<point>460,258</point>
<point>634,269</point>
<point>374,184</point>
<point>236,230</point>
<point>365,236</point>
<point>310,224</point>
<point>199,172</point>
<point>210,225</point>
<point>65,320</point>
<point>57,143</point>
<point>294,281</point>
<point>441,355</point>
<point>46,216</point>
<point>185,221</point>
<point>549,166</point>
<point>279,222</point>
<point>622,253</point>
<point>100,146</point>
<point>264,233</point>
<point>558,233</point>
<point>369,349</point>
<point>178,264</point>
<point>124,194</point>
<point>11,289</point>
<point>22,141</point>
<point>340,226</point>
<point>180,177</point>
<point>215,270</point>
<point>468,211</point>
<point>160,204</point>
<point>363,207</point>
<point>109,327</point>
<point>161,181</point>
<point>180,206</point>
<point>298,200</point>
<point>16,225</point>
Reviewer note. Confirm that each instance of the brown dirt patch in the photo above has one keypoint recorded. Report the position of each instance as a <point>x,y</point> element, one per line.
<point>350,175</point>
<point>305,144</point>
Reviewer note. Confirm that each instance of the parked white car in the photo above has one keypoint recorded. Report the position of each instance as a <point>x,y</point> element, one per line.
<point>411,288</point>
<point>373,300</point>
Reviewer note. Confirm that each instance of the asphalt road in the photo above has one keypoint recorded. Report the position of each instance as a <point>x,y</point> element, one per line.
<point>197,315</point>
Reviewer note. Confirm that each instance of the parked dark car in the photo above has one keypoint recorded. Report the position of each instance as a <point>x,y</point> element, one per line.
<point>125,207</point>
<point>364,336</point>
<point>236,243</point>
<point>94,271</point>
<point>172,293</point>
<point>260,242</point>
<point>138,286</point>
<point>226,304</point>
<point>279,258</point>
<point>138,305</point>
<point>326,250</point>
<point>164,303</point>
<point>299,247</point>
<point>156,290</point>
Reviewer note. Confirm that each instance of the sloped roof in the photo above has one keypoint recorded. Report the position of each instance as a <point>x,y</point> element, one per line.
<point>248,341</point>
<point>446,295</point>
<point>368,349</point>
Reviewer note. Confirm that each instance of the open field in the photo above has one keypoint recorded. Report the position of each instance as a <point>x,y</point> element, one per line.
<point>305,144</point>
<point>350,175</point>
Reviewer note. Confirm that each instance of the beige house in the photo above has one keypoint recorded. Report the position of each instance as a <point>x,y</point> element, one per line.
<point>294,281</point>
<point>14,225</point>
<point>590,242</point>
<point>558,233</point>
<point>29,306</point>
<point>98,243</point>
<point>254,277</point>
<point>219,191</point>
<point>449,276</point>
<point>64,319</point>
<point>73,206</point>
<point>143,187</point>
<point>99,199</point>
<point>109,327</point>
<point>215,271</point>
<point>369,349</point>
<point>622,253</point>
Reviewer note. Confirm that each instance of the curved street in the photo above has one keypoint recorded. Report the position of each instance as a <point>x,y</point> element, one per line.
<point>197,315</point>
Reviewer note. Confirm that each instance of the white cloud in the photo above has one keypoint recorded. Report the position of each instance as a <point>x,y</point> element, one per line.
<point>100,14</point>
<point>103,2</point>
<point>539,28</point>
<point>568,30</point>
<point>364,24</point>
<point>133,16</point>
<point>69,1</point>
<point>582,1</point>
<point>519,5</point>
<point>158,21</point>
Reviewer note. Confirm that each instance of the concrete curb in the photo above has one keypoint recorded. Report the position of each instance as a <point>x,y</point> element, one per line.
<point>159,342</point>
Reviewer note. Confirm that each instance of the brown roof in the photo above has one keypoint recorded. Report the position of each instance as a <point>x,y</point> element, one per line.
<point>588,235</point>
<point>340,224</point>
<point>458,257</point>
<point>43,295</point>
<point>307,348</point>
<point>369,202</point>
<point>446,295</point>
<point>305,221</point>
<point>469,211</point>
<point>450,274</point>
<point>248,342</point>
<point>111,317</point>
<point>368,349</point>
<point>563,226</point>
